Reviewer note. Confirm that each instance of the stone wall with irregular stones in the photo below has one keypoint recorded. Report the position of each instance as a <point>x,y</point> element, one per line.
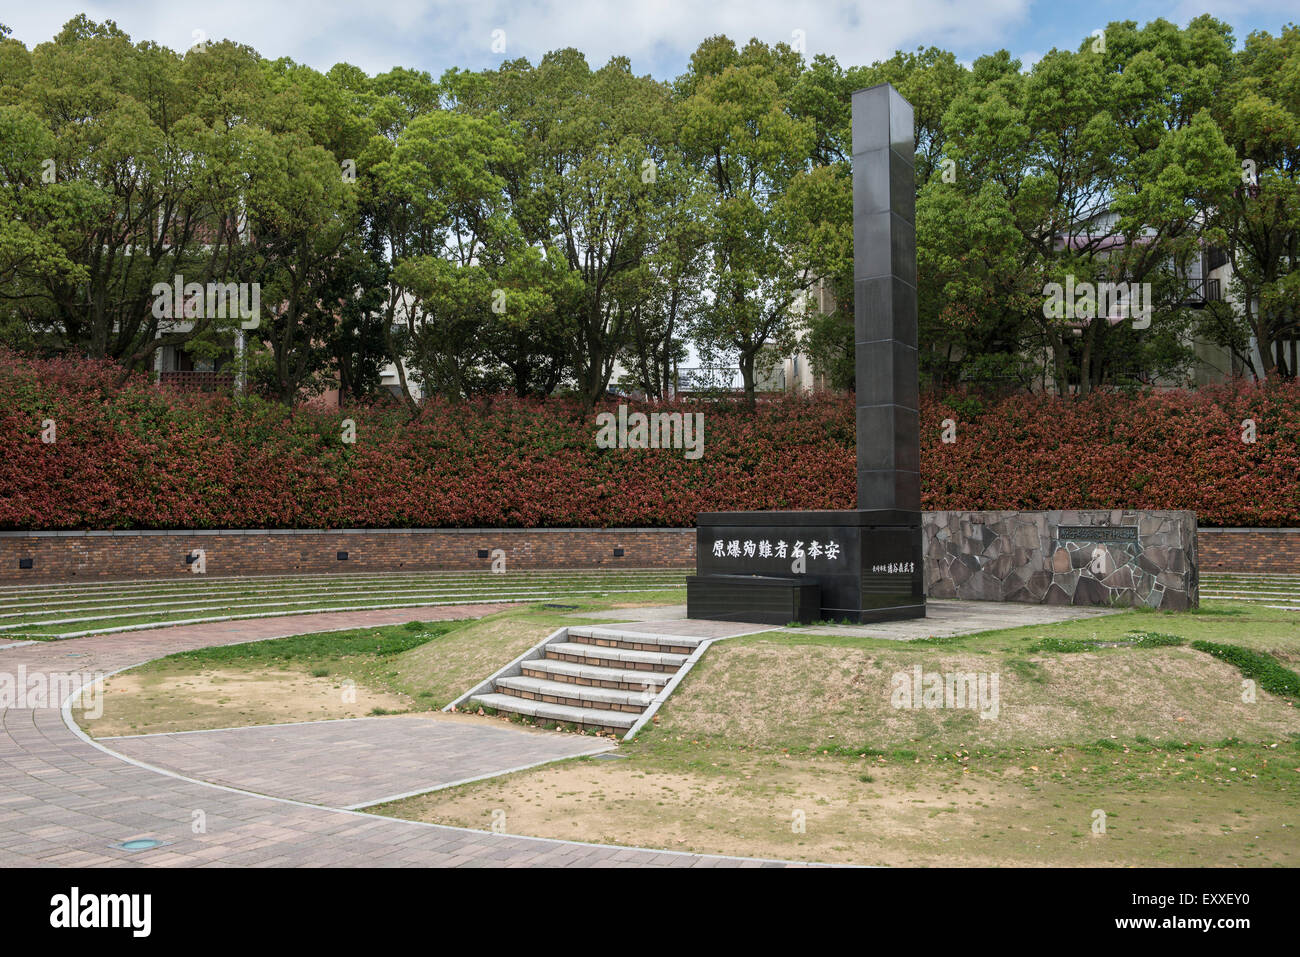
<point>1068,557</point>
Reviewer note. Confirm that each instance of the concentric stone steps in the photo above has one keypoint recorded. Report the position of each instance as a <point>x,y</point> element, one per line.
<point>622,679</point>
<point>589,677</point>
<point>578,696</point>
<point>586,718</point>
<point>587,654</point>
<point>635,641</point>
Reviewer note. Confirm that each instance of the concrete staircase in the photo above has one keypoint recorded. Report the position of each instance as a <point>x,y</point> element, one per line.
<point>593,678</point>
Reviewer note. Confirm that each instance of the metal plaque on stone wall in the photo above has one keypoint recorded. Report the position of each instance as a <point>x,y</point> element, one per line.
<point>1096,533</point>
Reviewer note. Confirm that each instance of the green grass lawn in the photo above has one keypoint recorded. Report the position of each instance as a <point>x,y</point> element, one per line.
<point>1155,735</point>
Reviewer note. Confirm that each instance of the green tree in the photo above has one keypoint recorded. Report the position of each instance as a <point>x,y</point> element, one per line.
<point>930,79</point>
<point>738,125</point>
<point>301,210</point>
<point>457,260</point>
<point>1259,224</point>
<point>673,275</point>
<point>142,189</point>
<point>596,160</point>
<point>1099,164</point>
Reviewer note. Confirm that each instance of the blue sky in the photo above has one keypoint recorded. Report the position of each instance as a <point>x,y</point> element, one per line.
<point>658,35</point>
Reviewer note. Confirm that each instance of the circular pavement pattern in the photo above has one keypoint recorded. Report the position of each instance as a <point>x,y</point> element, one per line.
<point>66,800</point>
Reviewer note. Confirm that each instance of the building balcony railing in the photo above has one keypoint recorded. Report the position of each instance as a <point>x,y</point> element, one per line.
<point>1202,291</point>
<point>193,381</point>
<point>726,379</point>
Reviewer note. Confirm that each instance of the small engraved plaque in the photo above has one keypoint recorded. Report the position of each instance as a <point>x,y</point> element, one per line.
<point>1096,533</point>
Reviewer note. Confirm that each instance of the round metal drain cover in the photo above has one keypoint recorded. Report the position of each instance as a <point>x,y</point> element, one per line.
<point>140,844</point>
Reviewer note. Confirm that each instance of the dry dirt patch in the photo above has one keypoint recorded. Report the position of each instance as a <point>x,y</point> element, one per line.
<point>152,702</point>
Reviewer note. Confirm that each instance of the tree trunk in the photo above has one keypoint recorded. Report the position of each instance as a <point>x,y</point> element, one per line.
<point>1060,363</point>
<point>390,350</point>
<point>747,378</point>
<point>1085,360</point>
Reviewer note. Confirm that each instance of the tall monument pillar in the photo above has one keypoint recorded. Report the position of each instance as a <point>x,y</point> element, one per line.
<point>884,295</point>
<point>864,564</point>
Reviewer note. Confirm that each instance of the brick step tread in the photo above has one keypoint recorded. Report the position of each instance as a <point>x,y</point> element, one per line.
<point>571,669</point>
<point>633,637</point>
<point>558,712</point>
<point>1265,593</point>
<point>1216,576</point>
<point>567,689</point>
<point>659,659</point>
<point>1252,596</point>
<point>1249,576</point>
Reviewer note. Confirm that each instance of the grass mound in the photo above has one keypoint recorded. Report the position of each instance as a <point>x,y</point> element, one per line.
<point>1260,666</point>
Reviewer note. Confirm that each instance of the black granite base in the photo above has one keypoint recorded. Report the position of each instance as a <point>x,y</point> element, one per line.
<point>867,564</point>
<point>758,598</point>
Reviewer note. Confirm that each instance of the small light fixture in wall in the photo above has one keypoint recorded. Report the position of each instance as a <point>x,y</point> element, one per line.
<point>618,553</point>
<point>24,563</point>
<point>341,556</point>
<point>190,558</point>
<point>483,553</point>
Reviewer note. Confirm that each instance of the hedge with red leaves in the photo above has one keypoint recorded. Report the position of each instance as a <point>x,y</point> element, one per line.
<point>1162,450</point>
<point>132,456</point>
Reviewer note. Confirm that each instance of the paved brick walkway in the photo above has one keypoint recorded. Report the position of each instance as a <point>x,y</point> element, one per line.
<point>945,617</point>
<point>64,801</point>
<point>354,762</point>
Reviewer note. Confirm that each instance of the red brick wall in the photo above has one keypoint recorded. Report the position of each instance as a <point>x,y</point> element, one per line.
<point>124,555</point>
<point>1249,550</point>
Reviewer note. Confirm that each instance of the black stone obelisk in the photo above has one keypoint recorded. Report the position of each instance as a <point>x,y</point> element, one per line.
<point>863,565</point>
<point>884,294</point>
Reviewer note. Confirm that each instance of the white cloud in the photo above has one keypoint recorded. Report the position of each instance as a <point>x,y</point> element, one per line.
<point>1027,60</point>
<point>658,35</point>
<point>1235,12</point>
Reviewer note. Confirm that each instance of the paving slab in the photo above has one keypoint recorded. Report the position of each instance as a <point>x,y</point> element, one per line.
<point>648,613</point>
<point>945,617</point>
<point>691,627</point>
<point>353,762</point>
